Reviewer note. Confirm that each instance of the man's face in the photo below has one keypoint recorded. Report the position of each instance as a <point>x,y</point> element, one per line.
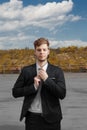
<point>42,52</point>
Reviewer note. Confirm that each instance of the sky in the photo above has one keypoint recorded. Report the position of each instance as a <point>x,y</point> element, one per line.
<point>62,22</point>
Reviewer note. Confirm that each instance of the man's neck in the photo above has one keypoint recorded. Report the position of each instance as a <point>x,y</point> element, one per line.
<point>42,63</point>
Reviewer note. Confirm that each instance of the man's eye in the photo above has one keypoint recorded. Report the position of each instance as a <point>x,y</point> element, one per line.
<point>41,50</point>
<point>38,50</point>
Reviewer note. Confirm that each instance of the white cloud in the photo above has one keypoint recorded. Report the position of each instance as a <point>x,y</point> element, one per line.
<point>19,41</point>
<point>56,44</point>
<point>15,18</point>
<point>22,41</point>
<point>45,16</point>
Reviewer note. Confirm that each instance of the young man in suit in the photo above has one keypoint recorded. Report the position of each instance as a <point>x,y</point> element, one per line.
<point>42,85</point>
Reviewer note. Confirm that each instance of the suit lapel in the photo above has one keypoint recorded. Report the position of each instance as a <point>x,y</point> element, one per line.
<point>49,69</point>
<point>34,72</point>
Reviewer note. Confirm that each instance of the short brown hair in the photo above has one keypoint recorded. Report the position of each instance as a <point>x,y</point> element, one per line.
<point>40,41</point>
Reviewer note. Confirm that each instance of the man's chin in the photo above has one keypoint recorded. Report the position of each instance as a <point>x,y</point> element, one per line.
<point>41,60</point>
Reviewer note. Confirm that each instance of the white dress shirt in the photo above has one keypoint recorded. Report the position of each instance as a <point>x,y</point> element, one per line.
<point>36,104</point>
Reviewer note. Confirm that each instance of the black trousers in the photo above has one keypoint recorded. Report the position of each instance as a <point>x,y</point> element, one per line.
<point>36,121</point>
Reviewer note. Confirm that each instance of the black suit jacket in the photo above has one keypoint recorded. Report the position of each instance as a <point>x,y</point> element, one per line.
<point>53,89</point>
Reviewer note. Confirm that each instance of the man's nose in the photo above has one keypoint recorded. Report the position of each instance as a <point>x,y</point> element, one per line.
<point>41,51</point>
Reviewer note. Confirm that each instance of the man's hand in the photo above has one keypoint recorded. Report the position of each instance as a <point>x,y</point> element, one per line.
<point>43,74</point>
<point>37,81</point>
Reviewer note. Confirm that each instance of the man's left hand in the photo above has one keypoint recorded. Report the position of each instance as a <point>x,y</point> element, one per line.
<point>43,74</point>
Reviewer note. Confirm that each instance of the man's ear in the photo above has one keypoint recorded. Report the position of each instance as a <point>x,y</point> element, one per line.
<point>48,53</point>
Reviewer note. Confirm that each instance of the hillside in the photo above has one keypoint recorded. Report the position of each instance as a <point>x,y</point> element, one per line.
<point>69,59</point>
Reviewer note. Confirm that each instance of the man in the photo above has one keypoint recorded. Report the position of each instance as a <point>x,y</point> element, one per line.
<point>42,85</point>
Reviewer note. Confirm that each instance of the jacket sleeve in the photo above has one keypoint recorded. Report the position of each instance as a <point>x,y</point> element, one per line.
<point>20,88</point>
<point>57,86</point>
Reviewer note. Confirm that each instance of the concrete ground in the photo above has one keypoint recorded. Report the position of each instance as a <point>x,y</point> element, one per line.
<point>74,106</point>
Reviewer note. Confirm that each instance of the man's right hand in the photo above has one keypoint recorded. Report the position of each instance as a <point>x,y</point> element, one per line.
<point>37,81</point>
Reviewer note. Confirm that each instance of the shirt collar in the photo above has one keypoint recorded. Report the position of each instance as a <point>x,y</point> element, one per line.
<point>44,67</point>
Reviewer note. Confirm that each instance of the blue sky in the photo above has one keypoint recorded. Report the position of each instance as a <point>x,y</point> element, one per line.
<point>62,22</point>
